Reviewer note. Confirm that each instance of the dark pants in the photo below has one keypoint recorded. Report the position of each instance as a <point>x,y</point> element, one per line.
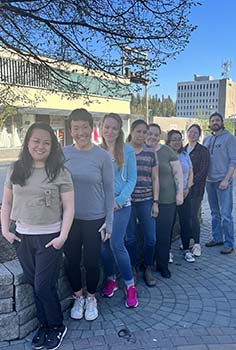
<point>196,201</point>
<point>184,212</point>
<point>84,234</point>
<point>164,223</point>
<point>41,268</point>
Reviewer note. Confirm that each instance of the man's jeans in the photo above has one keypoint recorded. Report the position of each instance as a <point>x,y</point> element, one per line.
<point>221,205</point>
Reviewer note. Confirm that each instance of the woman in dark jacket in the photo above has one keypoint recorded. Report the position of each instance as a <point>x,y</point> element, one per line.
<point>200,160</point>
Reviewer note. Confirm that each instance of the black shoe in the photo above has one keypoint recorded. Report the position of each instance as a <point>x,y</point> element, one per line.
<point>39,338</point>
<point>213,243</point>
<point>55,337</point>
<point>227,250</point>
<point>164,273</point>
<point>148,277</point>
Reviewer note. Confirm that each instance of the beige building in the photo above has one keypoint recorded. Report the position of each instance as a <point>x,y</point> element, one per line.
<point>41,95</point>
<point>205,95</point>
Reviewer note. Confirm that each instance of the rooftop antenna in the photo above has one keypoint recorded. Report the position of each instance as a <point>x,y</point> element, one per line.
<point>226,66</point>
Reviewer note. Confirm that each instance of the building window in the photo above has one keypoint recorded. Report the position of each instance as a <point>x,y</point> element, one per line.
<point>24,73</point>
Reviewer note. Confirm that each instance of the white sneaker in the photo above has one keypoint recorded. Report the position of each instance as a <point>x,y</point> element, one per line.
<point>91,310</point>
<point>77,310</point>
<point>171,258</point>
<point>197,251</point>
<point>188,256</point>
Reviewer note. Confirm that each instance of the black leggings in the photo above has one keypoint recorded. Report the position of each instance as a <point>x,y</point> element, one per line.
<point>164,223</point>
<point>196,201</point>
<point>84,234</point>
<point>41,268</point>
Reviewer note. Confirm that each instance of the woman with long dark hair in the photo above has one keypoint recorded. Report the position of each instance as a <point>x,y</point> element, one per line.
<point>144,200</point>
<point>38,195</point>
<point>114,250</point>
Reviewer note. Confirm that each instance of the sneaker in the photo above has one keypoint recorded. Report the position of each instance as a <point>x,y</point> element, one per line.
<point>148,277</point>
<point>171,258</point>
<point>197,251</point>
<point>131,297</point>
<point>188,256</point>
<point>227,250</point>
<point>213,243</point>
<point>39,338</point>
<point>55,337</point>
<point>77,310</point>
<point>91,310</point>
<point>110,287</point>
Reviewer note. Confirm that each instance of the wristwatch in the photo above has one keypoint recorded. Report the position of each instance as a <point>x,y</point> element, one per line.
<point>155,201</point>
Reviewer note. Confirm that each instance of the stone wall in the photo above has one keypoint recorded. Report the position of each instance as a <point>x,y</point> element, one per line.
<point>17,309</point>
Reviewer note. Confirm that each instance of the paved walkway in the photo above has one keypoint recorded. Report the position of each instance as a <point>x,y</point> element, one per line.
<point>194,310</point>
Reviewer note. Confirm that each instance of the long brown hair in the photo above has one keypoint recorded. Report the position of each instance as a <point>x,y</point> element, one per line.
<point>119,145</point>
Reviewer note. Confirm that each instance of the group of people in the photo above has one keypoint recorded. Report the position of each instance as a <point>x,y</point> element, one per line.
<point>95,202</point>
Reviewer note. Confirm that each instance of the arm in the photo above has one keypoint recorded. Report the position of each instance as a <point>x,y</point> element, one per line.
<point>5,216</point>
<point>155,191</point>
<point>190,182</point>
<point>231,150</point>
<point>178,178</point>
<point>228,177</point>
<point>67,199</point>
<point>108,186</point>
<point>130,182</point>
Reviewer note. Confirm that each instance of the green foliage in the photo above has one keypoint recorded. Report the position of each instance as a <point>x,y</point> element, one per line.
<point>6,112</point>
<point>164,107</point>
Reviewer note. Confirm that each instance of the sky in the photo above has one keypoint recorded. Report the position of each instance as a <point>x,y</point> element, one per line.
<point>211,44</point>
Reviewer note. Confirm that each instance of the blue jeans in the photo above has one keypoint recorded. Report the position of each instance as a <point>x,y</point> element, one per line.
<point>114,250</point>
<point>141,211</point>
<point>221,205</point>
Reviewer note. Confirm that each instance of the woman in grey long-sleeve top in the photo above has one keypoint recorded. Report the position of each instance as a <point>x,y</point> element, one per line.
<point>92,174</point>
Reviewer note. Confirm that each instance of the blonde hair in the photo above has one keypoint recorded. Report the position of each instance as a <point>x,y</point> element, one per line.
<point>119,145</point>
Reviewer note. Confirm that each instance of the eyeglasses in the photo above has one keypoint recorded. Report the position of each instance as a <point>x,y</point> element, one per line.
<point>175,140</point>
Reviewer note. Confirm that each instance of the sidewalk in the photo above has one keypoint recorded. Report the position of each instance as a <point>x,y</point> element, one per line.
<point>194,310</point>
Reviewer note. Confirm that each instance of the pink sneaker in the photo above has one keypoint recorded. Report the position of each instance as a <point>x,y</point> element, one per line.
<point>131,297</point>
<point>110,287</point>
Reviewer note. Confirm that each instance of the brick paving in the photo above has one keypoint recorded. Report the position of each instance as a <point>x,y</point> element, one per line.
<point>194,310</point>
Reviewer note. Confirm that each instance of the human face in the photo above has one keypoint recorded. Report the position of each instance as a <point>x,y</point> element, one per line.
<point>175,142</point>
<point>193,134</point>
<point>110,130</point>
<point>39,146</point>
<point>138,135</point>
<point>153,136</point>
<point>216,124</point>
<point>81,132</point>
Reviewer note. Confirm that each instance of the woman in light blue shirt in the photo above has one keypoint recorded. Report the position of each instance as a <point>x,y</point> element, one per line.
<point>114,250</point>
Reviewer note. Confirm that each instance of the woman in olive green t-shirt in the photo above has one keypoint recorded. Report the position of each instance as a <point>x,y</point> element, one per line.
<point>171,194</point>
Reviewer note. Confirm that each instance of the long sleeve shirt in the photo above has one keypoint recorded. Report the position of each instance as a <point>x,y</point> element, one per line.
<point>222,149</point>
<point>200,159</point>
<point>93,178</point>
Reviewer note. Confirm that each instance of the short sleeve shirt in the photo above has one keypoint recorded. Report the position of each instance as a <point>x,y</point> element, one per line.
<point>146,160</point>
